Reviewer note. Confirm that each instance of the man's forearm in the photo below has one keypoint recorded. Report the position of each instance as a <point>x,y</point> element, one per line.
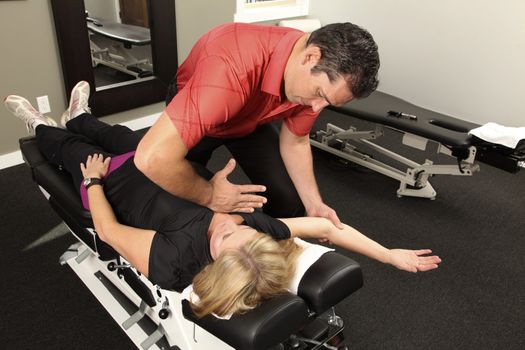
<point>299,164</point>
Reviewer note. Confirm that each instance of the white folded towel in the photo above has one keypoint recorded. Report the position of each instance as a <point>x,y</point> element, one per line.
<point>189,295</point>
<point>499,134</point>
<point>310,254</point>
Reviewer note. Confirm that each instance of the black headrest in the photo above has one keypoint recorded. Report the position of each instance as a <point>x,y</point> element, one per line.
<point>269,324</point>
<point>329,280</point>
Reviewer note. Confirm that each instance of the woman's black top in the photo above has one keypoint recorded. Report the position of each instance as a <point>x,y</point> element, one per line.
<point>180,247</point>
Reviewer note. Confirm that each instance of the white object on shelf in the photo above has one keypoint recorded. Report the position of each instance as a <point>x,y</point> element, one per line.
<point>305,25</point>
<point>258,11</point>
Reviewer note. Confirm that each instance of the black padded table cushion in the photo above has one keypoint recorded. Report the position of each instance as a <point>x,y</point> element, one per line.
<point>271,323</point>
<point>442,128</point>
<point>56,182</point>
<point>332,278</point>
<point>436,126</point>
<point>329,280</point>
<point>64,198</point>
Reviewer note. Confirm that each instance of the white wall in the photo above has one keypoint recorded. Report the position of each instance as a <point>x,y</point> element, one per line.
<point>103,9</point>
<point>463,58</point>
<point>196,17</point>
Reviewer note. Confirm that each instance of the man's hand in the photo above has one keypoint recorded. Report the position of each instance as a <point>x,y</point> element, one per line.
<point>228,197</point>
<point>96,166</point>
<point>324,211</point>
<point>412,260</point>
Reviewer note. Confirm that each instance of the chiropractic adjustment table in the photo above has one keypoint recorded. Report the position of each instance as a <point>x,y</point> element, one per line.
<point>156,318</point>
<point>419,127</point>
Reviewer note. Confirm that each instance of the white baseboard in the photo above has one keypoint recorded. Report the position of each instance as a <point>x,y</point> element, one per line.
<point>11,159</point>
<point>141,123</point>
<point>15,158</point>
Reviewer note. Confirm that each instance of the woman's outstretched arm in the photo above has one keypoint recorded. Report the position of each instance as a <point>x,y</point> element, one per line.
<point>353,240</point>
<point>132,243</point>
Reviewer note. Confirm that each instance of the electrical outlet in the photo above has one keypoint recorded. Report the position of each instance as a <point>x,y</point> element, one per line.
<point>43,104</point>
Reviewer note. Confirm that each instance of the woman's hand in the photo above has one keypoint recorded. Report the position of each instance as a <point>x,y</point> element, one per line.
<point>96,166</point>
<point>413,260</point>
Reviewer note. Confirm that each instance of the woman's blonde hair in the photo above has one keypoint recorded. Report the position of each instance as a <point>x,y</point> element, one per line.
<point>239,279</point>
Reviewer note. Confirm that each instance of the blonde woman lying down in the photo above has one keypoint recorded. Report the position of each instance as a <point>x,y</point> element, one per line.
<point>234,260</point>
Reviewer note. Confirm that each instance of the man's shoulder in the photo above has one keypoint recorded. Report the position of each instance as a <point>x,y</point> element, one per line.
<point>247,33</point>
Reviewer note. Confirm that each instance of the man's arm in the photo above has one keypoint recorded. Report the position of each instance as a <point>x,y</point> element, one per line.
<point>353,240</point>
<point>161,157</point>
<point>297,156</point>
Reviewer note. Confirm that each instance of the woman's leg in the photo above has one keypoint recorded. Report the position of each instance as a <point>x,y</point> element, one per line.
<point>66,149</point>
<point>259,157</point>
<point>201,154</point>
<point>116,139</point>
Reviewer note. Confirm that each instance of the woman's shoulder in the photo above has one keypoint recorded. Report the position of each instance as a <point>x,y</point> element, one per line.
<point>267,224</point>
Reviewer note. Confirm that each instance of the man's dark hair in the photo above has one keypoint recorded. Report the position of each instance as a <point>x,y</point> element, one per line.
<point>350,51</point>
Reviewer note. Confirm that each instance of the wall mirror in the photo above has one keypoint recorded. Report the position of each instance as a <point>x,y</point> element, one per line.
<point>125,49</point>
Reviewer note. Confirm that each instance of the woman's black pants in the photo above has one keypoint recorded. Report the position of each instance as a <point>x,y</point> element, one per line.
<point>257,154</point>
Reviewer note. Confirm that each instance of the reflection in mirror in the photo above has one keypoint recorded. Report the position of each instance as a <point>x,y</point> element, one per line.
<point>75,54</point>
<point>120,41</point>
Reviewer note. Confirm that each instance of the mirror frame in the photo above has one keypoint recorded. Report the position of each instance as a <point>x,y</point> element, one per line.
<point>73,43</point>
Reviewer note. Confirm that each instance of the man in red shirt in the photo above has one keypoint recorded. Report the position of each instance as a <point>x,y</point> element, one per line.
<point>239,78</point>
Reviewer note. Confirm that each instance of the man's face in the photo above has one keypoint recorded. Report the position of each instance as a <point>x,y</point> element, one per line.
<point>315,89</point>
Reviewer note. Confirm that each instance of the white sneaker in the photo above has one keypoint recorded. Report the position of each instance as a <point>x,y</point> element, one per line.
<point>23,109</point>
<point>78,103</point>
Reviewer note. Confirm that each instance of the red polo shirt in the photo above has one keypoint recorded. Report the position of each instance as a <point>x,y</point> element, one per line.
<point>231,83</point>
